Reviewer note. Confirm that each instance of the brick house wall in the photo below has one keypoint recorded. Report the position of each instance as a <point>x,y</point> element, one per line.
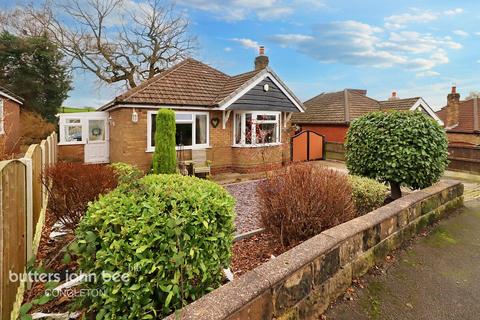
<point>332,133</point>
<point>10,139</point>
<point>128,143</point>
<point>71,153</point>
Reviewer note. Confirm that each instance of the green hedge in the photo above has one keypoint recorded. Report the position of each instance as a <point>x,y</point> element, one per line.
<point>368,194</point>
<point>170,234</point>
<point>126,173</point>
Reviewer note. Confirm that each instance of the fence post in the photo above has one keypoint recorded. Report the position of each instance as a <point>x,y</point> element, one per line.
<point>29,206</point>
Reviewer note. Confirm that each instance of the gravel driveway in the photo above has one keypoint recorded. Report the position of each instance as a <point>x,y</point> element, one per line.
<point>246,209</point>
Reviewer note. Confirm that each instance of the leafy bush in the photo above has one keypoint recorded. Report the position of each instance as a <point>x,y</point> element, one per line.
<point>368,194</point>
<point>71,186</point>
<point>406,148</point>
<point>303,201</point>
<point>165,155</point>
<point>170,234</point>
<point>126,173</point>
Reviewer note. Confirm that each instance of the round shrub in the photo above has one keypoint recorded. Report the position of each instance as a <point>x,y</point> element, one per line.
<point>303,201</point>
<point>368,194</point>
<point>171,235</point>
<point>402,148</point>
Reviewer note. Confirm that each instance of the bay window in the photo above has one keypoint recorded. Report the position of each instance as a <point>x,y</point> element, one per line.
<point>191,129</point>
<point>256,128</point>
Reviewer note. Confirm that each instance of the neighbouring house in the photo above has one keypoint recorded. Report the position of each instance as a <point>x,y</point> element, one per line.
<point>10,105</point>
<point>330,114</point>
<point>241,123</point>
<point>461,119</point>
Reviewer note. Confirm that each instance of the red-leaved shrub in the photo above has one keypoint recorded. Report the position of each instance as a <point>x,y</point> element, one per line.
<point>303,200</point>
<point>71,186</point>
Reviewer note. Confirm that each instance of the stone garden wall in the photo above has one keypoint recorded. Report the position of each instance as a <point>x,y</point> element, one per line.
<point>301,283</point>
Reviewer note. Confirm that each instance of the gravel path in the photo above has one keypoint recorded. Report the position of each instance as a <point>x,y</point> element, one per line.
<point>246,209</point>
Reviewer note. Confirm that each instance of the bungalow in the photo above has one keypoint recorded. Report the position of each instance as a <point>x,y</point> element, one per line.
<point>240,123</point>
<point>9,122</point>
<point>330,114</point>
<point>461,119</point>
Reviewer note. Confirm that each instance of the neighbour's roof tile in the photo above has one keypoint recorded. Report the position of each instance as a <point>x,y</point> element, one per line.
<point>465,117</point>
<point>336,107</point>
<point>398,104</point>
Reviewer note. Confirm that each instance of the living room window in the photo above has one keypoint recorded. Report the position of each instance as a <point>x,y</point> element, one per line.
<point>191,130</point>
<point>256,128</point>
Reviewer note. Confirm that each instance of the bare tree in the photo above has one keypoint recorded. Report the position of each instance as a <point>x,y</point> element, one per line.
<point>117,40</point>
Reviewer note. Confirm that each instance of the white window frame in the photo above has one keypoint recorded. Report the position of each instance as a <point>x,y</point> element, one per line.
<point>84,117</point>
<point>63,124</point>
<point>254,114</point>
<point>151,148</point>
<point>2,116</point>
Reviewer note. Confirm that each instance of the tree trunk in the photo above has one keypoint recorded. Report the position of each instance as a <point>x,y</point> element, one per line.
<point>395,192</point>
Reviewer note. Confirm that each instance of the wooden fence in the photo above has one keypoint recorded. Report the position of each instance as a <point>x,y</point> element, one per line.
<point>464,158</point>
<point>23,202</point>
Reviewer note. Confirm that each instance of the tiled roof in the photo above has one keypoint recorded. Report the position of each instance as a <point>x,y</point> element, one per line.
<point>465,116</point>
<point>336,107</point>
<point>189,83</point>
<point>398,104</point>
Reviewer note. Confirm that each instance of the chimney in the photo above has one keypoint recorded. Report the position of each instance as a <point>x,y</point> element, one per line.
<point>394,96</point>
<point>453,101</point>
<point>261,61</point>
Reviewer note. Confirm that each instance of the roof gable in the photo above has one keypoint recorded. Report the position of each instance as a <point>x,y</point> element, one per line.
<point>258,98</point>
<point>192,83</point>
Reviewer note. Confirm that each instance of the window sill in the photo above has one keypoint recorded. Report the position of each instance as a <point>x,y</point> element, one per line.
<point>149,149</point>
<point>71,143</point>
<point>276,144</point>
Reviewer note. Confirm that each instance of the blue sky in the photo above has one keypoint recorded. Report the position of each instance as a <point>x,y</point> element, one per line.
<point>417,48</point>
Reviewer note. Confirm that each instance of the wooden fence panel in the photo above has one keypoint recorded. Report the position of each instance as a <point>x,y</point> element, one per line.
<point>12,232</point>
<point>34,153</point>
<point>22,207</point>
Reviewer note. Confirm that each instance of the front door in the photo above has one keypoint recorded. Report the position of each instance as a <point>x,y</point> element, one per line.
<point>96,147</point>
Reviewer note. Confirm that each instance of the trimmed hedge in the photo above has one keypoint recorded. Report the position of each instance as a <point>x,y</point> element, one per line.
<point>400,147</point>
<point>170,234</point>
<point>368,194</point>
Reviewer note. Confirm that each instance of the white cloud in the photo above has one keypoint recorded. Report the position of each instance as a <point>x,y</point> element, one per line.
<point>247,43</point>
<point>453,12</point>
<point>236,10</point>
<point>400,21</point>
<point>461,33</point>
<point>428,73</point>
<point>227,49</point>
<point>355,43</point>
<point>416,16</point>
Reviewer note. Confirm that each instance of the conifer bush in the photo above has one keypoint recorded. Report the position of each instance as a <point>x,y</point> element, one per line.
<point>165,155</point>
<point>170,234</point>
